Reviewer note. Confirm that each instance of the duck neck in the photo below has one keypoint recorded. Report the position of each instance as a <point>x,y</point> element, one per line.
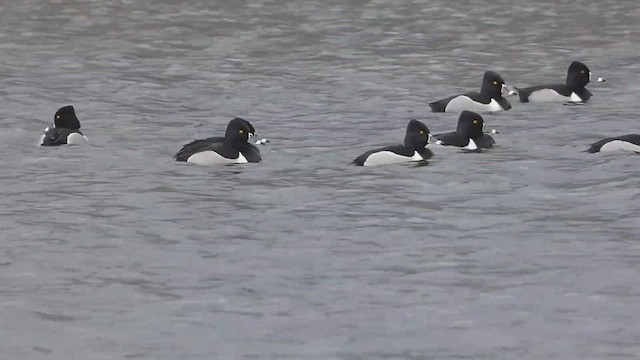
<point>414,143</point>
<point>490,91</point>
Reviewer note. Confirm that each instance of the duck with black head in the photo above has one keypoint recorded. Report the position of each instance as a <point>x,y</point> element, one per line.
<point>65,129</point>
<point>469,134</point>
<point>489,99</point>
<point>416,139</point>
<point>233,148</point>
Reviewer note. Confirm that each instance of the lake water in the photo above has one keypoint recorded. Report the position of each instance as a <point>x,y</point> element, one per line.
<point>115,251</point>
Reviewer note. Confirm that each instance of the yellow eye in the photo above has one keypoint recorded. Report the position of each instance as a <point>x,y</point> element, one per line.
<point>421,132</point>
<point>475,121</point>
<point>241,131</point>
<point>57,116</point>
<point>581,71</point>
<point>495,82</point>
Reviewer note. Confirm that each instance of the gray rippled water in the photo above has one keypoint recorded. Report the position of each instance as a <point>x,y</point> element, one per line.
<point>115,251</point>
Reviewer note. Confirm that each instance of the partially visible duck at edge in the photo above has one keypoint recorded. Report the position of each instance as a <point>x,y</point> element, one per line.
<point>630,142</point>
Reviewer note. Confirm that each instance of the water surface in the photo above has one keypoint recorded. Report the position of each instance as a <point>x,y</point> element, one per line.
<point>115,251</point>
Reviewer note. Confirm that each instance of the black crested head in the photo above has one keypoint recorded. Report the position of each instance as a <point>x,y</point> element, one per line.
<point>578,75</point>
<point>470,124</point>
<point>65,117</point>
<point>249,126</point>
<point>417,136</point>
<point>238,132</point>
<point>492,84</point>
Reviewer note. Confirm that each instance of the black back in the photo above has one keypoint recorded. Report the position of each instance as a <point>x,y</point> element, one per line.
<point>222,148</point>
<point>441,105</point>
<point>452,139</point>
<point>631,138</point>
<point>235,141</point>
<point>65,117</point>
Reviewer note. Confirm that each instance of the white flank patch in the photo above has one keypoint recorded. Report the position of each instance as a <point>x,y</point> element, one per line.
<point>461,103</point>
<point>543,95</point>
<point>620,145</point>
<point>388,157</point>
<point>471,145</point>
<point>575,97</point>
<point>76,139</point>
<point>213,158</point>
